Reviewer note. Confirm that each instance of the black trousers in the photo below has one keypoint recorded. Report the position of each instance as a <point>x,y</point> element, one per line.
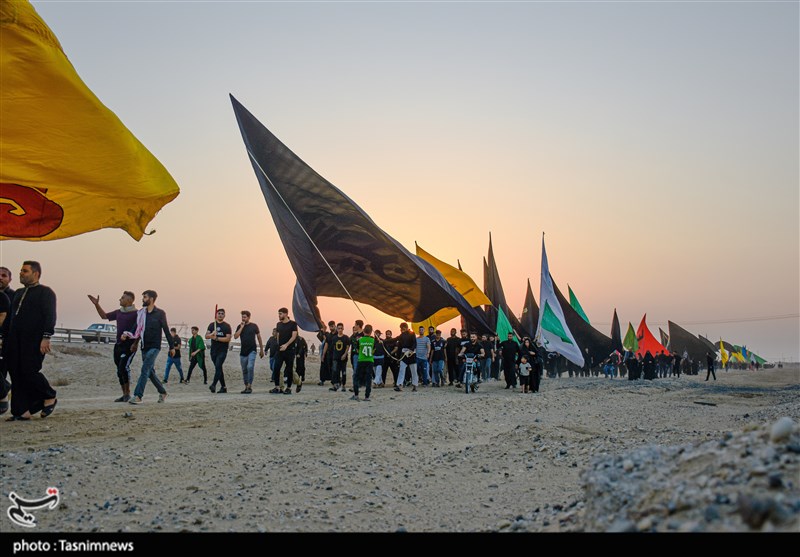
<point>452,369</point>
<point>710,373</point>
<point>339,372</point>
<point>122,359</point>
<point>199,360</point>
<point>365,372</point>
<point>219,375</point>
<point>509,371</point>
<point>284,357</point>
<point>301,367</point>
<point>24,362</point>
<point>536,373</point>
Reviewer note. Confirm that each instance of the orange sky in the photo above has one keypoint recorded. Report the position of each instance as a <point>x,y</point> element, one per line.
<point>664,172</point>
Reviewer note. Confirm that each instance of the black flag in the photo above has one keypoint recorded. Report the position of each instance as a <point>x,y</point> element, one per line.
<point>334,247</point>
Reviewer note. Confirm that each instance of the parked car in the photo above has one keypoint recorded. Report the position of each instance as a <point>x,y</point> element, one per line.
<point>102,332</point>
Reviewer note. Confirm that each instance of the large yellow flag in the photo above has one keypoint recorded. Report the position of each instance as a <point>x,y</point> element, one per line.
<point>459,280</point>
<point>68,165</point>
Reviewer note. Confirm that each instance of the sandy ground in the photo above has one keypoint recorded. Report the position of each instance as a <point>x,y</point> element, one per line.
<point>435,460</point>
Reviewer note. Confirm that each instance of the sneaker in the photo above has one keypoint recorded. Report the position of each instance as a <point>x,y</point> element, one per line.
<point>414,389</point>
<point>366,399</point>
<point>222,390</point>
<point>275,391</point>
<point>398,389</point>
<point>334,388</point>
<point>164,381</point>
<point>354,397</point>
<point>244,392</point>
<point>350,389</point>
<point>321,383</point>
<point>182,382</point>
<point>288,391</point>
<point>299,386</point>
<point>135,400</point>
<point>212,388</point>
<point>162,397</point>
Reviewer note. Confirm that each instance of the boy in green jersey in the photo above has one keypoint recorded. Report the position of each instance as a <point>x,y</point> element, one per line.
<point>366,364</point>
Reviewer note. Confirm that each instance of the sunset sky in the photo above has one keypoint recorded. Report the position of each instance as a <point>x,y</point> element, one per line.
<point>656,145</point>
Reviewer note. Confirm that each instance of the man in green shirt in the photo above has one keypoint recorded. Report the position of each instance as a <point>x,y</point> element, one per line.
<point>366,364</point>
<point>197,355</point>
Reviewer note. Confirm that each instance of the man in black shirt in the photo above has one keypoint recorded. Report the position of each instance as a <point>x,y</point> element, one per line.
<point>151,322</point>
<point>509,349</point>
<point>33,320</point>
<point>407,346</point>
<point>287,334</point>
<point>390,359</point>
<point>249,333</point>
<point>438,359</point>
<point>340,346</point>
<point>220,334</point>
<point>301,352</point>
<point>452,347</point>
<point>325,353</point>
<point>474,350</point>
<point>5,386</point>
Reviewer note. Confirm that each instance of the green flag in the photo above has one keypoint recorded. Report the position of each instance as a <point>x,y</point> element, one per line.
<point>504,326</point>
<point>576,305</point>
<point>631,344</point>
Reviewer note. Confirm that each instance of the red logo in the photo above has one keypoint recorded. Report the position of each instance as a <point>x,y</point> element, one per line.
<point>29,214</point>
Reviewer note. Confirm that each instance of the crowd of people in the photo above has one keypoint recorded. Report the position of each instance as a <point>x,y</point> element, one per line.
<point>462,360</point>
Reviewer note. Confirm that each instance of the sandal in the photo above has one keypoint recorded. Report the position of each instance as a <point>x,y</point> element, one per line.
<point>47,410</point>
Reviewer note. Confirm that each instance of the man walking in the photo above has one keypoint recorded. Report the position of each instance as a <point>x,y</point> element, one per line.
<point>124,350</point>
<point>197,355</point>
<point>33,321</point>
<point>175,358</point>
<point>407,344</point>
<point>249,333</point>
<point>220,334</point>
<point>287,335</point>
<point>365,365</point>
<point>150,323</point>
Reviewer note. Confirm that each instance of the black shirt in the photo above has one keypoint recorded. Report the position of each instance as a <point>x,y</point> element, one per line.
<point>220,330</point>
<point>33,314</point>
<point>407,341</point>
<point>5,307</point>
<point>437,346</point>
<point>510,349</point>
<point>154,323</point>
<point>339,345</point>
<point>301,348</point>
<point>330,338</point>
<point>176,344</point>
<point>452,345</point>
<point>285,332</point>
<point>474,349</point>
<point>354,342</point>
<point>247,336</point>
<point>272,346</point>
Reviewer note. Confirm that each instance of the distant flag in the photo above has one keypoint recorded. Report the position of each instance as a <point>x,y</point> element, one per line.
<point>459,280</point>
<point>504,327</point>
<point>530,313</point>
<point>647,342</point>
<point>463,321</point>
<point>630,343</point>
<point>616,336</point>
<point>552,331</point>
<point>723,353</point>
<point>69,165</point>
<point>333,246</point>
<point>576,305</point>
<point>745,353</point>
<point>664,337</point>
<point>494,290</point>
